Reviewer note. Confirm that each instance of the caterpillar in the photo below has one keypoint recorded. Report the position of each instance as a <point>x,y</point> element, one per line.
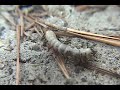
<point>63,48</point>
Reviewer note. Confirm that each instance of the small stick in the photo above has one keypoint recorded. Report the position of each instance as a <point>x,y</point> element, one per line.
<point>37,31</point>
<point>26,34</point>
<point>81,7</point>
<point>7,18</point>
<point>116,36</point>
<point>47,23</point>
<point>73,30</point>
<point>22,24</point>
<point>101,38</point>
<point>42,31</point>
<point>29,26</point>
<point>41,24</point>
<point>107,41</point>
<point>34,20</point>
<point>64,68</point>
<point>100,70</point>
<point>61,64</point>
<point>61,60</point>
<point>17,9</point>
<point>18,54</point>
<point>21,20</point>
<point>91,34</point>
<point>31,29</point>
<point>28,18</point>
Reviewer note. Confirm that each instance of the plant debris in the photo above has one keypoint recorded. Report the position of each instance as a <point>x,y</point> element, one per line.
<point>34,26</point>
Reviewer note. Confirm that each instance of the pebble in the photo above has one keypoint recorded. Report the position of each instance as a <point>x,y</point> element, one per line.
<point>1,66</point>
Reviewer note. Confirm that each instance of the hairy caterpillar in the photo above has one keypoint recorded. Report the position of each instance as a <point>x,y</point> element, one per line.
<point>63,48</point>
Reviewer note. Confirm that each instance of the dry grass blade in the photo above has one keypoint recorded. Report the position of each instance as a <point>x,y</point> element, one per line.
<point>26,34</point>
<point>91,34</point>
<point>17,10</point>
<point>34,20</point>
<point>29,34</point>
<point>73,30</point>
<point>61,64</point>
<point>37,31</point>
<point>104,40</point>
<point>22,24</point>
<point>18,54</point>
<point>41,30</point>
<point>21,20</point>
<point>29,26</point>
<point>116,36</point>
<point>9,18</point>
<point>101,38</point>
<point>81,7</point>
<point>100,70</point>
<point>41,24</point>
<point>28,18</point>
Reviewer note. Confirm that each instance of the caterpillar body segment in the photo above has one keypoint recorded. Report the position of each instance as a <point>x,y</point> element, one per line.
<point>63,48</point>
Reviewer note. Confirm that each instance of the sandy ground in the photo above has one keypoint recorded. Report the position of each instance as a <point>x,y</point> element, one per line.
<point>38,67</point>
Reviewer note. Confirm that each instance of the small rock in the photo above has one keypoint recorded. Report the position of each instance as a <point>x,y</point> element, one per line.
<point>83,80</point>
<point>1,66</point>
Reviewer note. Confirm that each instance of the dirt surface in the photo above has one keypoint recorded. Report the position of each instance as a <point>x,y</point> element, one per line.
<point>38,67</point>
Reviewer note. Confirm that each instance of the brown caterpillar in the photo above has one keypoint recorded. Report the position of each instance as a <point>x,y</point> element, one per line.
<point>63,48</point>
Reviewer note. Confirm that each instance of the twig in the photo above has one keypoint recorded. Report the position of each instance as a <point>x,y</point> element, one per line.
<point>28,19</point>
<point>47,23</point>
<point>22,24</point>
<point>76,31</point>
<point>34,20</point>
<point>90,34</point>
<point>101,38</point>
<point>81,7</point>
<point>104,40</point>
<point>16,9</point>
<point>63,68</point>
<point>32,30</point>
<point>21,20</point>
<point>29,26</point>
<point>37,31</point>
<point>116,36</point>
<point>61,64</point>
<point>73,30</point>
<point>100,70</point>
<point>8,19</point>
<point>18,54</point>
<point>41,24</point>
<point>41,30</point>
